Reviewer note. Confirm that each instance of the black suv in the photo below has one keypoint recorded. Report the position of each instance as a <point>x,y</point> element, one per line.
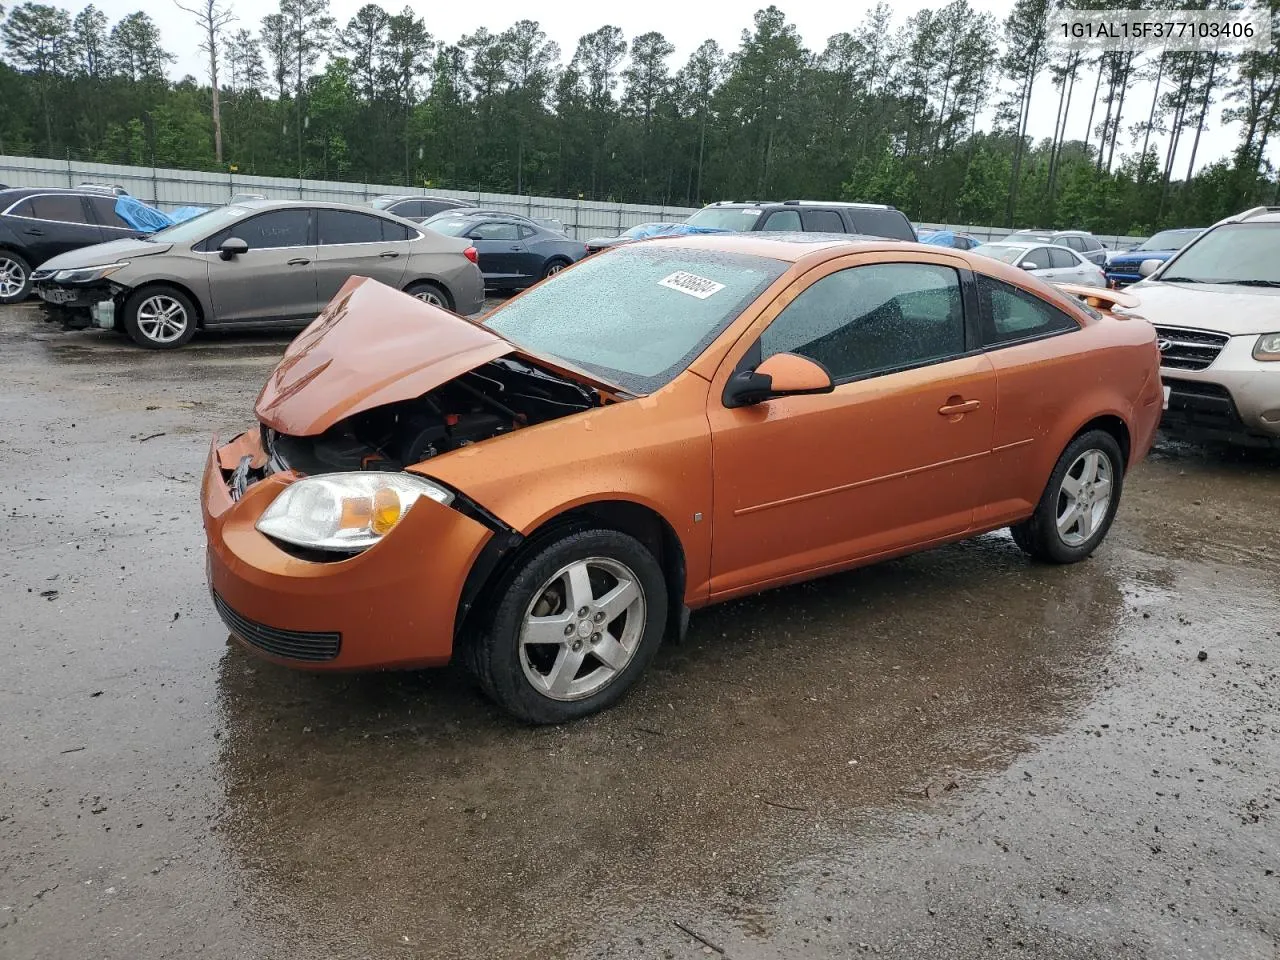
<point>806,216</point>
<point>37,223</point>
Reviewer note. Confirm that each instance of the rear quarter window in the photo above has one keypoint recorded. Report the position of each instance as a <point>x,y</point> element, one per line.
<point>1012,315</point>
<point>892,224</point>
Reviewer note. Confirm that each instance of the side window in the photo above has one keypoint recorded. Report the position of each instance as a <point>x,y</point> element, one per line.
<point>821,221</point>
<point>431,207</point>
<point>784,220</point>
<point>1090,243</point>
<point>892,224</point>
<point>526,232</point>
<point>104,210</point>
<point>338,226</point>
<point>65,207</point>
<point>874,319</point>
<point>280,228</point>
<point>1012,314</point>
<point>1037,255</point>
<point>395,231</point>
<point>1062,259</point>
<point>411,208</point>
<point>1075,243</point>
<point>22,208</point>
<point>495,230</point>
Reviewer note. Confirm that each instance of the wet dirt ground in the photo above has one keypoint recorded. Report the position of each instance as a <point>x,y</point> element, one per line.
<point>958,754</point>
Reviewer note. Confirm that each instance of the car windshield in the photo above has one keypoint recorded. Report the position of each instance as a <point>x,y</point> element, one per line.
<point>197,228</point>
<point>451,226</point>
<point>737,219</point>
<point>639,230</point>
<point>1000,251</point>
<point>639,316</point>
<point>381,203</point>
<point>1236,253</point>
<point>1169,240</point>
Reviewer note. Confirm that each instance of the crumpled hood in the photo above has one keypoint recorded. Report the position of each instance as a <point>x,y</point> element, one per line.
<point>1237,311</point>
<point>104,253</point>
<point>372,346</point>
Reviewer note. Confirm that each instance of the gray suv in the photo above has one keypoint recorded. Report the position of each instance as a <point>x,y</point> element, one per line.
<point>257,263</point>
<point>806,216</point>
<point>1081,241</point>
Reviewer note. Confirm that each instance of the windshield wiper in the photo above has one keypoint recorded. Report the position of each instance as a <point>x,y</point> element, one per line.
<point>1184,280</point>
<point>1252,283</point>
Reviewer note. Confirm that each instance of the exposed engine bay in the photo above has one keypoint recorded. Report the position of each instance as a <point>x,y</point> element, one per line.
<point>496,398</point>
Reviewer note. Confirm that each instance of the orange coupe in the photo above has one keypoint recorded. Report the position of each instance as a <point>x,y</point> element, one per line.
<point>670,424</point>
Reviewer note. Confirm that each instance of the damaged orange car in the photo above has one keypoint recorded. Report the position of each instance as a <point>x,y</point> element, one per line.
<point>678,422</point>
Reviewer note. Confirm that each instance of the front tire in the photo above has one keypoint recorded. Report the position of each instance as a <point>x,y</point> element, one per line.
<point>1079,503</point>
<point>576,623</point>
<point>160,318</point>
<point>15,277</point>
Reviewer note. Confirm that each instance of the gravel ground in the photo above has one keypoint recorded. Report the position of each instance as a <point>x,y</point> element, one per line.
<point>958,754</point>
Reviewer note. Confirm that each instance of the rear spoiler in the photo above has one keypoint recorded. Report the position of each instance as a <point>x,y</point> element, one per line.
<point>1100,298</point>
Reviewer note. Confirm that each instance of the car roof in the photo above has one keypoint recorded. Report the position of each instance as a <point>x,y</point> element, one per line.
<point>16,193</point>
<point>731,204</point>
<point>1254,215</point>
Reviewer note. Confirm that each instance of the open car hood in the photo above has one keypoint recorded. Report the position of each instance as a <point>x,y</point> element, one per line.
<point>372,346</point>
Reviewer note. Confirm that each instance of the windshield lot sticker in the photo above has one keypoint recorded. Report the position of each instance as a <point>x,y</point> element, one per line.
<point>692,284</point>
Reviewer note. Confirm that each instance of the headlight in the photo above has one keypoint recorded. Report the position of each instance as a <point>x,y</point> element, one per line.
<point>88,274</point>
<point>349,512</point>
<point>1267,347</point>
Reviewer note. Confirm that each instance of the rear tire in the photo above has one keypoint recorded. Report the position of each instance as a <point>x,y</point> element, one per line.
<point>15,277</point>
<point>431,293</point>
<point>554,266</point>
<point>574,625</point>
<point>1078,504</point>
<point>160,318</point>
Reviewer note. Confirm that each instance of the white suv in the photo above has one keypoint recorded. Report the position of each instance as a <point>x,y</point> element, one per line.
<point>1216,308</point>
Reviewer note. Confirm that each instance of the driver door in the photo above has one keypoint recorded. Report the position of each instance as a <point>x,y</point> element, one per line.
<point>275,280</point>
<point>893,458</point>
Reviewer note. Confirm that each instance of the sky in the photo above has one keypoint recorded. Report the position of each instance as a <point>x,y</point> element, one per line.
<point>686,25</point>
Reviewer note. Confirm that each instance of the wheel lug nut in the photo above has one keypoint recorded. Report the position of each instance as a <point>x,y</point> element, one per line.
<point>595,638</point>
<point>568,630</point>
<point>599,617</point>
<point>583,612</point>
<point>577,645</point>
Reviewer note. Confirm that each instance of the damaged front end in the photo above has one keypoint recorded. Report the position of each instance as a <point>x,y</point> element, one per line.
<point>501,396</point>
<point>381,382</point>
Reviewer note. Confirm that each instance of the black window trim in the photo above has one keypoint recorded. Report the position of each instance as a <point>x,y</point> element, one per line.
<point>312,228</point>
<point>90,219</point>
<point>987,320</point>
<point>969,304</point>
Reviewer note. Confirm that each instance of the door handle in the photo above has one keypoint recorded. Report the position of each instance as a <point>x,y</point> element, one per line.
<point>955,407</point>
<point>389,255</point>
<point>299,262</point>
<point>516,247</point>
<point>34,233</point>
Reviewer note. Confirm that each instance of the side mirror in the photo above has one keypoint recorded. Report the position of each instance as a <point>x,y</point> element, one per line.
<point>232,247</point>
<point>782,375</point>
<point>1148,267</point>
<point>1028,265</point>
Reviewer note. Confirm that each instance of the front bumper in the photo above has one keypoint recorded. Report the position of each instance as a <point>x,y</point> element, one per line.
<point>97,299</point>
<point>1235,398</point>
<point>392,606</point>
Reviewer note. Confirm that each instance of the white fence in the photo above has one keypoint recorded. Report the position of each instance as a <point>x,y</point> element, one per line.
<point>167,189</point>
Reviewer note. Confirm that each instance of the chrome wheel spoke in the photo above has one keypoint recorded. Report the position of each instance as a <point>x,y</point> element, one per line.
<point>559,680</point>
<point>549,630</point>
<point>1102,491</point>
<point>579,586</point>
<point>1071,486</point>
<point>611,653</point>
<point>1085,521</point>
<point>616,601</point>
<point>1069,520</point>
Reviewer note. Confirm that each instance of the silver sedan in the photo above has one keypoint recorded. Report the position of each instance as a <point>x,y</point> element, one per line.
<point>1047,261</point>
<point>255,263</point>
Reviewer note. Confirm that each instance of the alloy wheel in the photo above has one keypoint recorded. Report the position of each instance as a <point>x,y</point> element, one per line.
<point>554,269</point>
<point>162,319</point>
<point>1084,497</point>
<point>431,297</point>
<point>582,628</point>
<point>13,277</point>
